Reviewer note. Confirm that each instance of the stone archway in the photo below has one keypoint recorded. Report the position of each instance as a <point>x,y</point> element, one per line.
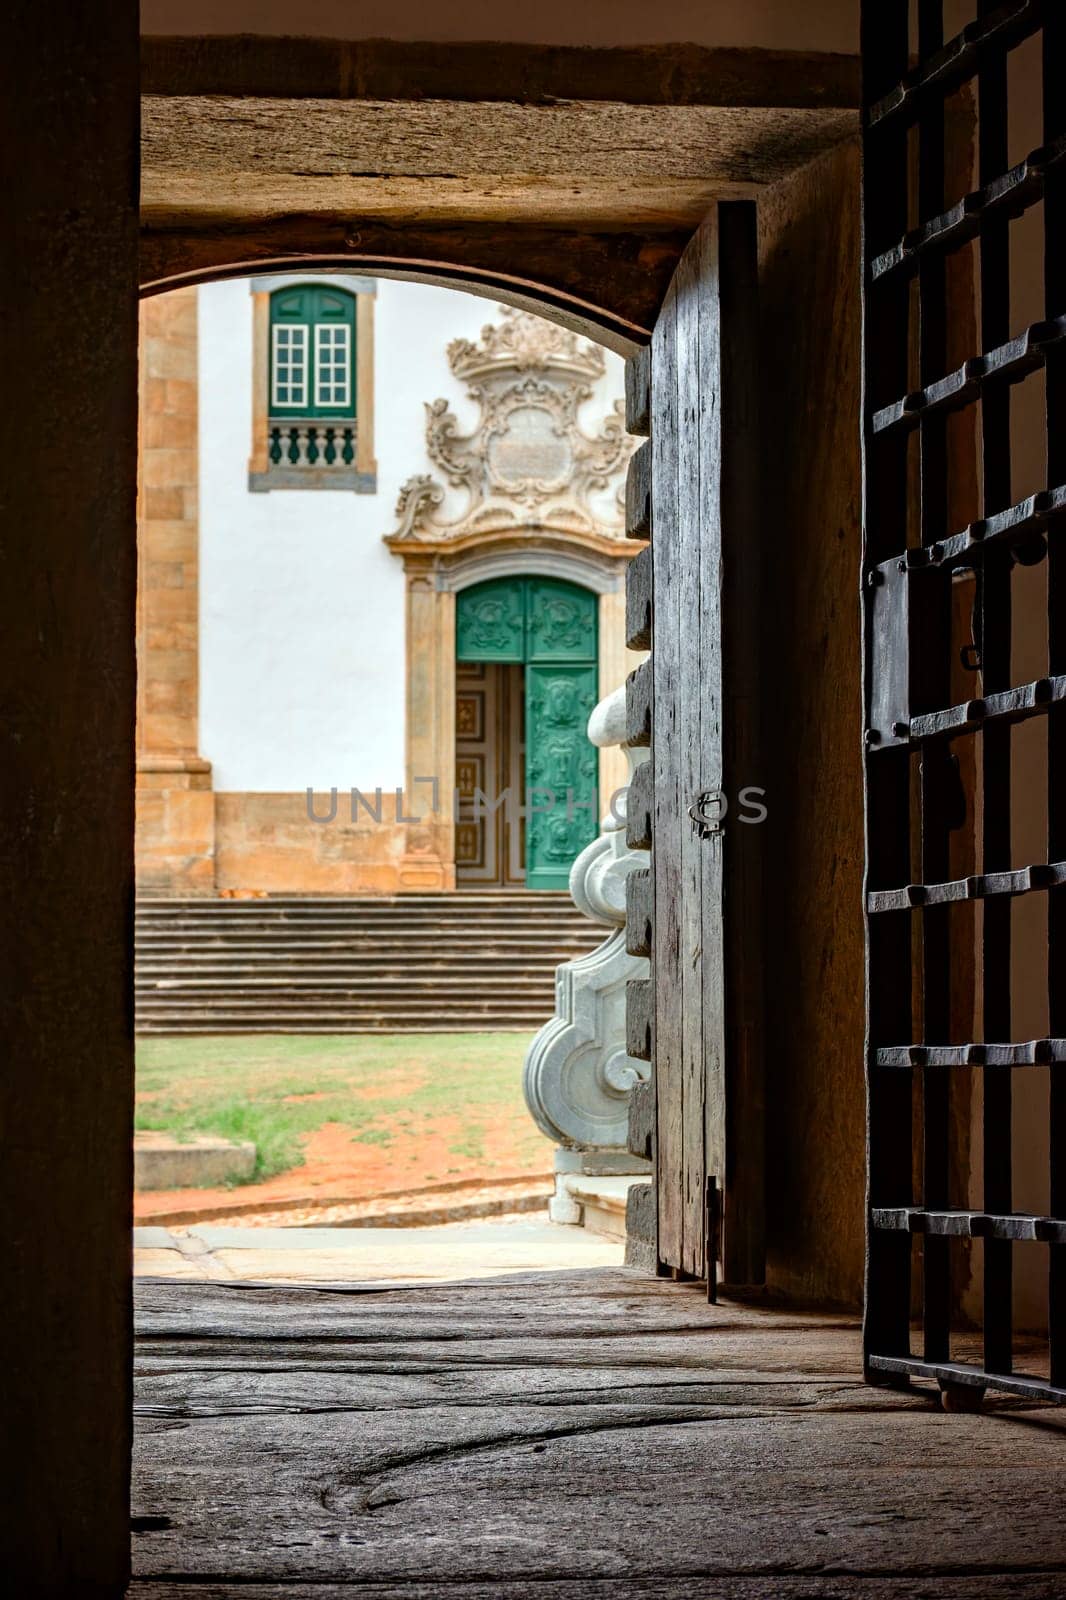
<point>72,589</point>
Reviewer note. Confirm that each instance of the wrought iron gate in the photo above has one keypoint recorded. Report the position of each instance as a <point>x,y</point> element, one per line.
<point>948,531</point>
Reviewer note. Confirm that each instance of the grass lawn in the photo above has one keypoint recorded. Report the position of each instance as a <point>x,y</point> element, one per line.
<point>458,1094</point>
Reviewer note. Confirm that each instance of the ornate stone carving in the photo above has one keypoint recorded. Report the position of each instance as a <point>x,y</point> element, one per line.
<point>578,1076</point>
<point>528,462</point>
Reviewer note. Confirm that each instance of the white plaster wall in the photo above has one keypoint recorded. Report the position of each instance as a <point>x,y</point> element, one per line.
<point>302,652</point>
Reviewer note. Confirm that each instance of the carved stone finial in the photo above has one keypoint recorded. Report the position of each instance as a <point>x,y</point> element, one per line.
<point>523,342</point>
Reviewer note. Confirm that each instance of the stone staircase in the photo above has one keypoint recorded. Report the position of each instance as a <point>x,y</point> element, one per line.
<point>415,963</point>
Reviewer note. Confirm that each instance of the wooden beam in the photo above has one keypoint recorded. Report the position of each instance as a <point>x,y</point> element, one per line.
<point>384,69</point>
<point>573,175</point>
<point>206,150</point>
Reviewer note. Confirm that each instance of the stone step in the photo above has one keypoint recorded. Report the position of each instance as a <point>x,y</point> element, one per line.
<point>253,994</point>
<point>148,902</point>
<point>388,927</point>
<point>519,927</point>
<point>602,1200</point>
<point>313,964</point>
<point>312,941</point>
<point>396,911</point>
<point>394,999</point>
<point>344,1022</point>
<point>162,1162</point>
<point>258,910</point>
<point>319,1020</point>
<point>430,960</point>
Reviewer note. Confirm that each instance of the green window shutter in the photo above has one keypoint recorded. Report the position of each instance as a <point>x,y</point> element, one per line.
<point>312,353</point>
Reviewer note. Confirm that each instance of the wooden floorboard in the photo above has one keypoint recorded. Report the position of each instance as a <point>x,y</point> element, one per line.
<point>563,1434</point>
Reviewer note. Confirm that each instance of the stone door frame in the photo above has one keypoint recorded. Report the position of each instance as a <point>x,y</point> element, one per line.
<point>434,576</point>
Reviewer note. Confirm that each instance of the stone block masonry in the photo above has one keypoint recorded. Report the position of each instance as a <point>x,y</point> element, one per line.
<point>175,806</point>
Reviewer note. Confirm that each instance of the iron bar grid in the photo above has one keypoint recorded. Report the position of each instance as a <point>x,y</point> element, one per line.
<point>921,1082</point>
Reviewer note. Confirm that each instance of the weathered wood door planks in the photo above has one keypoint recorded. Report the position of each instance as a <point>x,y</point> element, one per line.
<point>706,891</point>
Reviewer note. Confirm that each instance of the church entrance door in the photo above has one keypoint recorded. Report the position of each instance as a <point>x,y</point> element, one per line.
<point>526,684</point>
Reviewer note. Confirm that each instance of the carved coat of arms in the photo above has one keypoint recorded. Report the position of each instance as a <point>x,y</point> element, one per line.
<point>528,462</point>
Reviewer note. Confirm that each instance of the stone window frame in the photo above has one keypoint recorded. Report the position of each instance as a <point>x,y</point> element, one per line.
<point>263,475</point>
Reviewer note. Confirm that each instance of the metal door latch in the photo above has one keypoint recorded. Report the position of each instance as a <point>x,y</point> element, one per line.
<point>707,823</point>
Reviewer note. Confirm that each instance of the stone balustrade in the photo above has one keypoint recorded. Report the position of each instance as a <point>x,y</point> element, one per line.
<point>311,446</point>
<point>578,1075</point>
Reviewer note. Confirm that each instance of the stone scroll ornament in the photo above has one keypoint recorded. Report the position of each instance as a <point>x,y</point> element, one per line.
<point>577,1075</point>
<point>528,461</point>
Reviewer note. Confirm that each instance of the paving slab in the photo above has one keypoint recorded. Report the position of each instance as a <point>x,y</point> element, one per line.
<point>154,1239</point>
<point>576,1435</point>
<point>168,1264</point>
<point>450,1252</point>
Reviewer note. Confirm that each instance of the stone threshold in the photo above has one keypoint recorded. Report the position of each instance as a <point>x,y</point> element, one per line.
<point>602,1200</point>
<point>453,1251</point>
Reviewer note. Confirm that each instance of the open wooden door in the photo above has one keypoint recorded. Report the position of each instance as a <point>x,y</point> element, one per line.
<point>693,596</point>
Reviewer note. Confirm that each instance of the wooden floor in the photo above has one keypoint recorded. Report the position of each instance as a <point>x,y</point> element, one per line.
<point>558,1436</point>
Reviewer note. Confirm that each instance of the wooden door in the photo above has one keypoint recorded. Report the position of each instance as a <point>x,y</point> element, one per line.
<point>561,769</point>
<point>562,688</point>
<point>964,371</point>
<point>522,744</point>
<point>693,595</point>
<point>489,716</point>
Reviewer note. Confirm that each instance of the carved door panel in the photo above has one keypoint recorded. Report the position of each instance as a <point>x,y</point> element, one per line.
<point>560,771</point>
<point>489,773</point>
<point>513,776</point>
<point>490,621</point>
<point>561,621</point>
<point>693,596</point>
<point>477,845</point>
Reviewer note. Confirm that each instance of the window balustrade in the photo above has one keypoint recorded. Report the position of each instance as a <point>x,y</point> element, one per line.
<point>311,446</point>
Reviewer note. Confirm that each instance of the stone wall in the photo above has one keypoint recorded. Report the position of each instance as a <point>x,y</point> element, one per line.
<point>267,843</point>
<point>175,808</point>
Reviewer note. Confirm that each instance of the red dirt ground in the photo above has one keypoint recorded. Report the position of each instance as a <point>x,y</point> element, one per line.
<point>336,1169</point>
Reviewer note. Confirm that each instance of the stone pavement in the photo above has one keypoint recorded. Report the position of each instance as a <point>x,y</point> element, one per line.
<point>581,1435</point>
<point>369,1255</point>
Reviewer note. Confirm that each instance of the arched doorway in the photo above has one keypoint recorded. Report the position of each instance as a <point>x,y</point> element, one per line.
<point>526,651</point>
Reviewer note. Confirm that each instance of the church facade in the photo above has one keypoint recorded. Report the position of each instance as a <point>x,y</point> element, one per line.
<point>382,555</point>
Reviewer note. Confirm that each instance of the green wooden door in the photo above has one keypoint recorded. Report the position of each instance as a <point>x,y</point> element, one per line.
<point>551,627</point>
<point>490,621</point>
